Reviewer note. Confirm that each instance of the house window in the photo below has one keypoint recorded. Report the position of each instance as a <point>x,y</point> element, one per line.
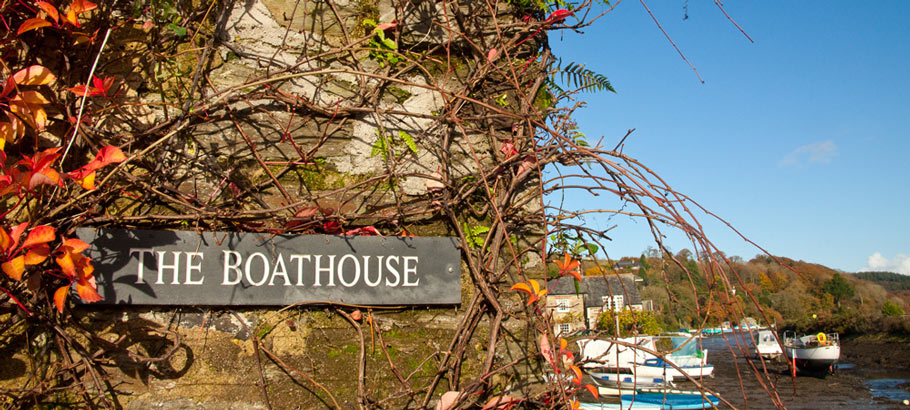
<point>614,303</point>
<point>562,306</point>
<point>564,328</point>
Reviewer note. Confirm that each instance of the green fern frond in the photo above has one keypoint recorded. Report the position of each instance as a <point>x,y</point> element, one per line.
<point>581,78</point>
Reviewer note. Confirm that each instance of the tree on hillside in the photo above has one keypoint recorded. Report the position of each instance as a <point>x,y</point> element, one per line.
<point>838,287</point>
<point>891,309</point>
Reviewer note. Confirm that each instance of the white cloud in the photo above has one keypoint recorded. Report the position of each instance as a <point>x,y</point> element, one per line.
<point>814,153</point>
<point>900,264</point>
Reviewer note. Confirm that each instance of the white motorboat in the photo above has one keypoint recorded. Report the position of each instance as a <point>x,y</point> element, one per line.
<point>818,352</point>
<point>610,357</point>
<point>767,345</point>
<point>615,384</point>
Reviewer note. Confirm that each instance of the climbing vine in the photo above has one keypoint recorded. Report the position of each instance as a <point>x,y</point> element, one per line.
<point>376,119</point>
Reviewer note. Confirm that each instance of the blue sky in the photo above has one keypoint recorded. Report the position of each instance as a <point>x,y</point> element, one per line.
<point>800,139</point>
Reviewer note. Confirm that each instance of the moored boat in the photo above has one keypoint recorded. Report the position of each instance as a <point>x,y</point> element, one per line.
<point>657,401</point>
<point>815,352</point>
<point>767,345</point>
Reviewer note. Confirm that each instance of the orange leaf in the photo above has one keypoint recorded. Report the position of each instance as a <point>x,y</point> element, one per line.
<point>82,6</point>
<point>6,133</point>
<point>5,241</point>
<point>575,404</point>
<point>16,233</point>
<point>75,245</point>
<point>40,234</point>
<point>567,267</point>
<point>37,254</point>
<point>109,155</point>
<point>50,10</point>
<point>14,267</point>
<point>593,390</point>
<point>71,17</point>
<point>32,97</point>
<point>87,290</point>
<point>577,372</point>
<point>60,297</point>
<point>34,75</point>
<point>88,181</point>
<point>521,286</point>
<point>46,176</point>
<point>39,117</point>
<point>80,90</point>
<point>32,24</point>
<point>575,274</point>
<point>65,262</point>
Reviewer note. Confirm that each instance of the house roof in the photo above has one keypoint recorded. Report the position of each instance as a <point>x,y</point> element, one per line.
<point>593,288</point>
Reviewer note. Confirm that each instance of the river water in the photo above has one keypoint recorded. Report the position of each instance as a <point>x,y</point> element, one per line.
<point>867,385</point>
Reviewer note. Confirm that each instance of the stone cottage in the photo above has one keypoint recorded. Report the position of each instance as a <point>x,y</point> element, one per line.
<point>574,308</point>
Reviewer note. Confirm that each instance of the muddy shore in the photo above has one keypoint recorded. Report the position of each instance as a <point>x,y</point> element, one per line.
<point>847,388</point>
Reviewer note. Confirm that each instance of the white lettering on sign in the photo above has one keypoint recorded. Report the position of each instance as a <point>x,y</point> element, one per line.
<point>258,269</point>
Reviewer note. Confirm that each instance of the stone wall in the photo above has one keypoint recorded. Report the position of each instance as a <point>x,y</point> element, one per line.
<point>288,111</point>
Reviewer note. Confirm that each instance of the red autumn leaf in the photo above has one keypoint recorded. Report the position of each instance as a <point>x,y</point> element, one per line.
<point>508,149</point>
<point>492,54</point>
<point>331,227</point>
<point>543,343</point>
<point>32,24</point>
<point>500,402</point>
<point>14,267</point>
<point>41,160</point>
<point>559,15</point>
<point>60,297</point>
<point>39,235</point>
<point>106,156</point>
<point>44,177</point>
<point>14,235</point>
<point>99,87</point>
<point>8,86</point>
<point>386,26</point>
<point>109,155</point>
<point>365,231</point>
<point>447,401</point>
<point>50,10</point>
<point>527,164</point>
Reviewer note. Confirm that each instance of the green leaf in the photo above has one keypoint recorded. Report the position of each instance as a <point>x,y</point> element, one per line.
<point>178,30</point>
<point>592,248</point>
<point>408,140</point>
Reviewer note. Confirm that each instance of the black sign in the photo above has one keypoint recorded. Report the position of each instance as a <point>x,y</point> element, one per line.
<point>228,268</point>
